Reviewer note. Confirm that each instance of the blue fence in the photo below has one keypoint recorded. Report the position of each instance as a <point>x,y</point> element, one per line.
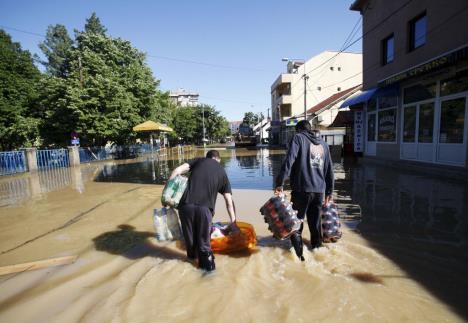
<point>52,158</point>
<point>12,162</point>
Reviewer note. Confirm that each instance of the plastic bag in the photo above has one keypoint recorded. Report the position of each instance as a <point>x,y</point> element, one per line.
<point>282,220</point>
<point>331,225</point>
<point>173,191</point>
<point>166,224</point>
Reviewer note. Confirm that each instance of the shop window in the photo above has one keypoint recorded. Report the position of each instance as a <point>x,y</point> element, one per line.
<point>426,122</point>
<point>452,121</point>
<point>387,125</point>
<point>419,92</point>
<point>371,127</point>
<point>417,31</point>
<point>455,84</point>
<point>409,124</point>
<point>388,102</point>
<point>372,104</point>
<point>388,49</point>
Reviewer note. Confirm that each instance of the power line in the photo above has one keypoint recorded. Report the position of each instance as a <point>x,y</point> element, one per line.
<point>187,61</point>
<point>377,65</point>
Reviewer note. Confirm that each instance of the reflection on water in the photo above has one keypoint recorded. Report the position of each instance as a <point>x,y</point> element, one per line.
<point>403,204</point>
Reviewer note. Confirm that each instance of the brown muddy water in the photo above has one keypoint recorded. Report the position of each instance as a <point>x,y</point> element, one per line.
<point>403,256</point>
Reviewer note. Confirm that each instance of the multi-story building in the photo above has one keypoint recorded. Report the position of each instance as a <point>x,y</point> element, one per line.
<point>234,126</point>
<point>414,105</point>
<point>184,98</point>
<point>325,74</point>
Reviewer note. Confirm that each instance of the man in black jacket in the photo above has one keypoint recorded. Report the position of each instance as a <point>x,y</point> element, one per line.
<point>309,166</point>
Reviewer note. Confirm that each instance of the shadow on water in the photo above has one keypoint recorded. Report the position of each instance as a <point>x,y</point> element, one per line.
<point>418,221</point>
<point>134,244</point>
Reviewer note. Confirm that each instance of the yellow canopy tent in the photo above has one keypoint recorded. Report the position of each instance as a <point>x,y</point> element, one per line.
<point>151,126</point>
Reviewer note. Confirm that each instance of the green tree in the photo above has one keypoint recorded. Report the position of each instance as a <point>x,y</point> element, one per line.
<point>252,119</point>
<point>56,47</point>
<point>19,78</point>
<point>93,25</point>
<point>109,89</point>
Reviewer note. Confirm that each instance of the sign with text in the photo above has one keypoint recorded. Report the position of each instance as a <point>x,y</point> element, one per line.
<point>358,131</point>
<point>291,122</point>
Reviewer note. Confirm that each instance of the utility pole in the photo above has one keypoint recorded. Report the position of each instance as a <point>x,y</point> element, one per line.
<point>81,71</point>
<point>305,77</point>
<point>203,120</point>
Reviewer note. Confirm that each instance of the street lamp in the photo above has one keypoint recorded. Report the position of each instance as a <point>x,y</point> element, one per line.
<point>203,121</point>
<point>305,77</point>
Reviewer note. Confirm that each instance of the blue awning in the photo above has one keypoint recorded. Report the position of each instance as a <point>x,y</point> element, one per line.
<point>358,98</point>
<point>365,96</point>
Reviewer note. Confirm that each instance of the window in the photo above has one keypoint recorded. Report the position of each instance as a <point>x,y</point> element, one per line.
<point>426,122</point>
<point>419,92</point>
<point>338,89</point>
<point>388,45</point>
<point>387,125</point>
<point>455,84</point>
<point>285,110</point>
<point>339,68</point>
<point>417,31</point>
<point>371,127</point>
<point>331,68</point>
<point>452,121</point>
<point>319,88</point>
<point>409,124</point>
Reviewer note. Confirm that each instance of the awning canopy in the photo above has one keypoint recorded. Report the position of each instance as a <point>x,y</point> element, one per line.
<point>365,96</point>
<point>152,126</point>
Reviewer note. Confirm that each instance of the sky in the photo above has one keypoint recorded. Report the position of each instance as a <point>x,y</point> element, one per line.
<point>227,51</point>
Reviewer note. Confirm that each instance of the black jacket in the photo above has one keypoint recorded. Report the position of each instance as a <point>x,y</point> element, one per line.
<point>308,164</point>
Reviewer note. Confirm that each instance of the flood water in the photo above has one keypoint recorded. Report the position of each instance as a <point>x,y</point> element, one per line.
<point>403,255</point>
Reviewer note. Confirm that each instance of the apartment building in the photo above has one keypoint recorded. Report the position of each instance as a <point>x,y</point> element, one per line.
<point>184,98</point>
<point>326,74</point>
<point>414,104</point>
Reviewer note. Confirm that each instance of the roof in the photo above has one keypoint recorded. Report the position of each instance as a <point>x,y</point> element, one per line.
<point>152,126</point>
<point>357,5</point>
<point>334,99</point>
<point>343,119</point>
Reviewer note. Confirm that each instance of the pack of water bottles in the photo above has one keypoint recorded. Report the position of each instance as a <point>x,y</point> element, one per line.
<point>173,191</point>
<point>331,225</point>
<point>282,220</point>
<point>166,224</point>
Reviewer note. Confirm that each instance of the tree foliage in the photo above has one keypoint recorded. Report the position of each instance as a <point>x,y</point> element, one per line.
<point>108,89</point>
<point>19,78</point>
<point>56,47</point>
<point>188,124</point>
<point>252,119</point>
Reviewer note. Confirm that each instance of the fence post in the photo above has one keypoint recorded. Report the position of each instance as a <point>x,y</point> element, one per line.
<point>31,158</point>
<point>74,155</point>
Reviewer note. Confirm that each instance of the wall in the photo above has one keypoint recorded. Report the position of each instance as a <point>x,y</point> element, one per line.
<point>446,30</point>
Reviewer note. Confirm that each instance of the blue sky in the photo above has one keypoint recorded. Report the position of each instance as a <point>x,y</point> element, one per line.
<point>245,39</point>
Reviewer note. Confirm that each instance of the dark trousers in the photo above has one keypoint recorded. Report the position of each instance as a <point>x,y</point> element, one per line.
<point>196,228</point>
<point>309,204</point>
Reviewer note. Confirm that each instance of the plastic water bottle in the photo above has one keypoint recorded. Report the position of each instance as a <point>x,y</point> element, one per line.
<point>160,223</point>
<point>173,225</point>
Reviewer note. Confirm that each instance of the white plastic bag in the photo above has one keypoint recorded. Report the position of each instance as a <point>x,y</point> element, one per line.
<point>166,224</point>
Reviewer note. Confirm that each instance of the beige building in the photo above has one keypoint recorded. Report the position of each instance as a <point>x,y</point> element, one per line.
<point>184,98</point>
<point>327,73</point>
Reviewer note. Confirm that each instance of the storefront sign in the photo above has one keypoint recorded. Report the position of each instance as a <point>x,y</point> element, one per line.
<point>358,131</point>
<point>430,66</point>
<point>291,122</point>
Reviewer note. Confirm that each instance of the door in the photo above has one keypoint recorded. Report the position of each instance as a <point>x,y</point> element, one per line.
<point>452,134</point>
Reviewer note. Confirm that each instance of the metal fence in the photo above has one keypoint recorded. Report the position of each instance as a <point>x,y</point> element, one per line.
<point>12,162</point>
<point>52,158</point>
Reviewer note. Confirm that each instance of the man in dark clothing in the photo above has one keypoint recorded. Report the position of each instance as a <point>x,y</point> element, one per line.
<point>207,179</point>
<point>309,166</point>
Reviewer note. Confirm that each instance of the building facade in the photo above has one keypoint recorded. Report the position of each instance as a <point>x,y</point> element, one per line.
<point>326,74</point>
<point>414,103</point>
<point>184,98</point>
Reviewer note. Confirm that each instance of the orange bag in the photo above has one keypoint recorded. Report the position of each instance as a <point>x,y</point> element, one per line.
<point>246,239</point>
